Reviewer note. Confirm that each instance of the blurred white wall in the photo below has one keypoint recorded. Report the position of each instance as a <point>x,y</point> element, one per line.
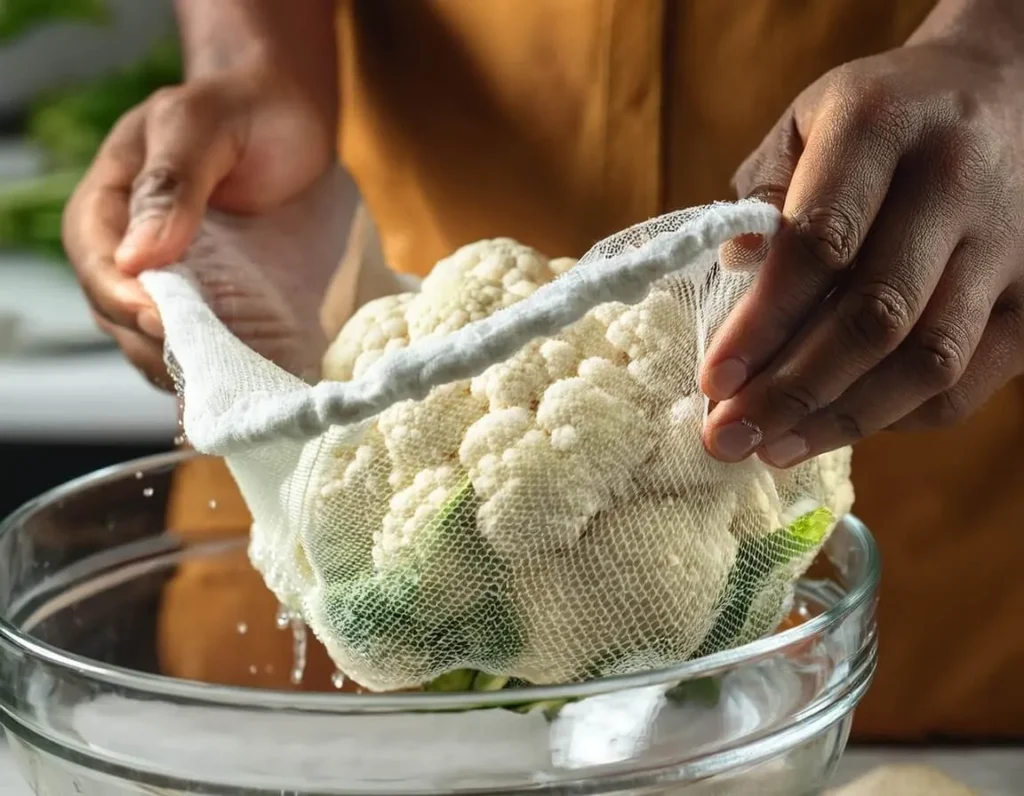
<point>57,54</point>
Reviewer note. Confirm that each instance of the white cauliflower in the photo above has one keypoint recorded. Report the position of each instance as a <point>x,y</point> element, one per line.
<point>474,283</point>
<point>379,326</point>
<point>555,517</point>
<point>640,591</point>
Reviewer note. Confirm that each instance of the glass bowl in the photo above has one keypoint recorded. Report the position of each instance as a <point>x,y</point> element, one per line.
<point>140,655</point>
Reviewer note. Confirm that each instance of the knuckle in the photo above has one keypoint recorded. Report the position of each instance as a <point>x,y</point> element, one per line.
<point>831,234</point>
<point>167,103</point>
<point>875,315</point>
<point>845,84</point>
<point>877,111</point>
<point>966,105</point>
<point>949,408</point>
<point>186,105</point>
<point>765,174</point>
<point>940,357</point>
<point>873,103</point>
<point>772,193</point>
<point>848,425</point>
<point>88,269</point>
<point>967,161</point>
<point>155,188</point>
<point>791,399</point>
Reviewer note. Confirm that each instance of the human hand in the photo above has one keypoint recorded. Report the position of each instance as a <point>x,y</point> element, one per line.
<point>244,142</point>
<point>893,295</point>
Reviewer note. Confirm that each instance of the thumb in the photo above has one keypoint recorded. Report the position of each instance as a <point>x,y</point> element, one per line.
<point>767,172</point>
<point>189,150</point>
<point>764,175</point>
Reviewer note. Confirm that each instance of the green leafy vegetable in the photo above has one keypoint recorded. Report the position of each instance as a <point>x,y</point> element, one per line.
<point>383,608</point>
<point>756,561</point>
<point>71,123</point>
<point>31,210</point>
<point>706,691</point>
<point>18,17</point>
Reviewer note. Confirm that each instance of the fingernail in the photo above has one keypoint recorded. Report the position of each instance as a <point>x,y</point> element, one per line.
<point>150,323</point>
<point>786,450</point>
<point>140,236</point>
<point>725,379</point>
<point>735,441</point>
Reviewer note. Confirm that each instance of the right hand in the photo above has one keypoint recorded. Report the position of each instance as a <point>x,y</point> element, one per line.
<point>242,142</point>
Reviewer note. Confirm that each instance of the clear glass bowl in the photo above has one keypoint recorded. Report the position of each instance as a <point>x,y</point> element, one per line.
<point>89,644</point>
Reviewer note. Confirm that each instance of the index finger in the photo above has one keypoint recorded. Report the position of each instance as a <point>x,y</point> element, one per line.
<point>837,189</point>
<point>94,222</point>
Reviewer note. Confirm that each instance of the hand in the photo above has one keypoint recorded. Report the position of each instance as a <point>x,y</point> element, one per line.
<point>243,141</point>
<point>265,276</point>
<point>893,295</point>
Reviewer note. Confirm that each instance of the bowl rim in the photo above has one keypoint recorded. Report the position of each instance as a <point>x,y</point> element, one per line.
<point>210,695</point>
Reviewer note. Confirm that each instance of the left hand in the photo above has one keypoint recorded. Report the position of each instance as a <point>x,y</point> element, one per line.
<point>893,295</point>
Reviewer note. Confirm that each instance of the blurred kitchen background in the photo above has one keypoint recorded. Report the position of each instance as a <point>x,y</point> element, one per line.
<point>69,403</point>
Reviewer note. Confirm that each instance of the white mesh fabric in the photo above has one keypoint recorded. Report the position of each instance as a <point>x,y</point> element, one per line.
<point>504,471</point>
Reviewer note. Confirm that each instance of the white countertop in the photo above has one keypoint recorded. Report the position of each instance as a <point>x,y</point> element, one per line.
<point>53,388</point>
<point>82,398</point>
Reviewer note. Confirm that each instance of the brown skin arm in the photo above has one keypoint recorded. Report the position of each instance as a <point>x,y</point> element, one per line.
<point>253,126</point>
<point>893,295</point>
<point>297,38</point>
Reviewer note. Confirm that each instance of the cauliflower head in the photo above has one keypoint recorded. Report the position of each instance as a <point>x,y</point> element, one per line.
<point>556,517</point>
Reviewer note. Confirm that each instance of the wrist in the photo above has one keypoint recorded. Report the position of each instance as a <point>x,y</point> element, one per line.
<point>991,31</point>
<point>294,44</point>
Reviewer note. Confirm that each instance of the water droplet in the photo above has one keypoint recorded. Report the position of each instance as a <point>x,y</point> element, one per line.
<point>286,618</point>
<point>147,492</point>
<point>138,475</point>
<point>338,679</point>
<point>299,645</point>
<point>212,504</point>
<point>252,669</point>
<point>243,628</point>
<point>268,668</point>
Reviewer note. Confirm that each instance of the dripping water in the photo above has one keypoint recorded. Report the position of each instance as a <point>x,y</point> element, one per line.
<point>288,619</point>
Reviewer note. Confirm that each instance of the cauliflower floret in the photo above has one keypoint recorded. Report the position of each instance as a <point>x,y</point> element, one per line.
<point>645,579</point>
<point>561,265</point>
<point>412,509</point>
<point>680,464</point>
<point>548,473</point>
<point>350,498</point>
<point>770,498</point>
<point>474,283</point>
<point>427,433</point>
<point>518,381</point>
<point>376,327</point>
<point>658,335</point>
<point>522,378</point>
